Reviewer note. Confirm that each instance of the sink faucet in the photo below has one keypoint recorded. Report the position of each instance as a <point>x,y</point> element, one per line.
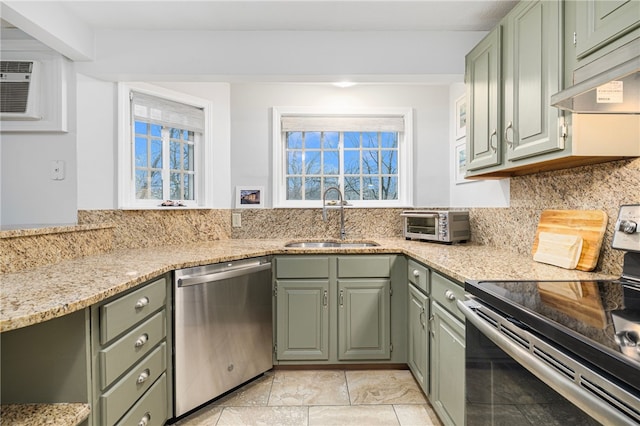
<point>343,233</point>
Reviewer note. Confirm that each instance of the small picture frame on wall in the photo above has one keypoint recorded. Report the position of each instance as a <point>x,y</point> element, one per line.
<point>249,197</point>
<point>461,117</point>
<point>460,161</point>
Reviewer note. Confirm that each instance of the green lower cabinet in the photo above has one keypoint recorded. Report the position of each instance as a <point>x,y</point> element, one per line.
<point>339,309</point>
<point>364,326</point>
<point>302,317</point>
<point>418,338</point>
<point>447,366</point>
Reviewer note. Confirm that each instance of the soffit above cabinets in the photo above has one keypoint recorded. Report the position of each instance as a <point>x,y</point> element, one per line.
<point>292,15</point>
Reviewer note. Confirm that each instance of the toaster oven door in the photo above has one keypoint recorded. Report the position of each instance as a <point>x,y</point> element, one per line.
<point>424,226</point>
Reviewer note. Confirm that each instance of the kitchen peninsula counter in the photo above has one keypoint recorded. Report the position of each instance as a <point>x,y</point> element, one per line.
<point>46,292</point>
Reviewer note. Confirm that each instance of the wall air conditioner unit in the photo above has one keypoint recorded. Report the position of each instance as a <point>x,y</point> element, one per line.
<point>19,90</point>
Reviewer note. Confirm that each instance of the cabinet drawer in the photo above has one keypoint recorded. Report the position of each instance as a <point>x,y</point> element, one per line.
<point>151,408</point>
<point>126,351</point>
<point>447,292</point>
<point>418,275</point>
<point>364,267</point>
<point>302,267</point>
<point>115,402</point>
<point>123,313</point>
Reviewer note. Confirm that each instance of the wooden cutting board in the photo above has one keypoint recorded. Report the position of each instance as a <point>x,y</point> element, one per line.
<point>588,224</point>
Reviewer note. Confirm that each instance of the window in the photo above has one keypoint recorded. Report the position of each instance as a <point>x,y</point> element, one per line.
<point>165,146</point>
<point>365,155</point>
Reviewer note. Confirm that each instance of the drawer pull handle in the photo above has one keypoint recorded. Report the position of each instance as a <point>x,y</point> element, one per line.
<point>144,421</point>
<point>142,340</point>
<point>416,273</point>
<point>142,302</point>
<point>449,295</point>
<point>143,376</point>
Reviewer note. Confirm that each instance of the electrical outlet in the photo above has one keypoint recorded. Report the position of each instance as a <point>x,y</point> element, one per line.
<point>236,220</point>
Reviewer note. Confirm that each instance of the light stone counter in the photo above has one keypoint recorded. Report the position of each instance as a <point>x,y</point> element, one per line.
<point>36,295</point>
<point>64,414</point>
<point>47,292</point>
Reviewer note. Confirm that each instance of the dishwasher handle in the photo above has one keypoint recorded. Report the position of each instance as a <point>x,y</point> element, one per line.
<point>188,280</point>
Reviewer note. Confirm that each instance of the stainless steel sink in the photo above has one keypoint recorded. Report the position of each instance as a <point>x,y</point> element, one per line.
<point>331,244</point>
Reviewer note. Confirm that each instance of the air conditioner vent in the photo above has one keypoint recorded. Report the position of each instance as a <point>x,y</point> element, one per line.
<point>16,66</point>
<point>18,90</point>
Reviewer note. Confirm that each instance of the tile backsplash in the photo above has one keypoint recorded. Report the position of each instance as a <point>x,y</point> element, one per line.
<point>601,187</point>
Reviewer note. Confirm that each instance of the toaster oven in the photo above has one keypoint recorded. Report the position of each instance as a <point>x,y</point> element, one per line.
<point>443,226</point>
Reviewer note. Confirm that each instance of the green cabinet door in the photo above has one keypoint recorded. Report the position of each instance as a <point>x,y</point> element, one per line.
<point>599,22</point>
<point>364,326</point>
<point>483,79</point>
<point>532,72</point>
<point>447,366</point>
<point>418,313</point>
<point>302,320</point>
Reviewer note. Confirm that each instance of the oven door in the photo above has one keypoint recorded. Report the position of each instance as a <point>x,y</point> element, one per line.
<point>422,226</point>
<point>515,378</point>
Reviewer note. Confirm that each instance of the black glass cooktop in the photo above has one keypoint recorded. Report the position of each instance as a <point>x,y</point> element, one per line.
<point>583,317</point>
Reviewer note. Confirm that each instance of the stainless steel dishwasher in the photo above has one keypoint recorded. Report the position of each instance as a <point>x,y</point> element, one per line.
<point>223,329</point>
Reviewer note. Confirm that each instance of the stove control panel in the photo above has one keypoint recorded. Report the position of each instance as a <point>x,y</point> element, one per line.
<point>626,234</point>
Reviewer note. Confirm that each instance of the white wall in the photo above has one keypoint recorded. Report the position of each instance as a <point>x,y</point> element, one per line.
<point>472,193</point>
<point>29,196</point>
<point>251,128</point>
<point>97,144</point>
<point>98,140</point>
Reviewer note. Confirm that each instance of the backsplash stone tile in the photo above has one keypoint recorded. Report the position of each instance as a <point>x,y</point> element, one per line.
<point>148,228</point>
<point>307,223</point>
<point>29,251</point>
<point>599,187</point>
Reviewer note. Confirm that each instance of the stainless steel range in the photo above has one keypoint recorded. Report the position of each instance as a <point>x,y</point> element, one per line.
<point>557,352</point>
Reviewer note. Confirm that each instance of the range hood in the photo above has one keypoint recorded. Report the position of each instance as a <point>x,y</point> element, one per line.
<point>608,85</point>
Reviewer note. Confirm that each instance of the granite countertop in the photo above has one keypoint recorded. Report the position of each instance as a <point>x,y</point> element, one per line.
<point>79,283</point>
<point>63,414</point>
<point>26,296</point>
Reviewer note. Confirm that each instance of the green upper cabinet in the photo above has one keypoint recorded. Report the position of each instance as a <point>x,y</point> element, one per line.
<point>539,49</point>
<point>484,92</point>
<point>599,22</point>
<point>510,76</point>
<point>532,73</point>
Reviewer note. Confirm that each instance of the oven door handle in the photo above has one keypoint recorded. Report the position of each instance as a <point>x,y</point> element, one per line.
<point>590,404</point>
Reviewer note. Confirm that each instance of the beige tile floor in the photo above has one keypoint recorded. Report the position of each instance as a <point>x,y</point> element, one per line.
<point>321,398</point>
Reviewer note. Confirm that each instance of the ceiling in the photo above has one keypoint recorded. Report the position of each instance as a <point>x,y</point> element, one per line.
<point>299,15</point>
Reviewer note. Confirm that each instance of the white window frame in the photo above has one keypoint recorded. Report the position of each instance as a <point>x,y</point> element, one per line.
<point>405,155</point>
<point>126,166</point>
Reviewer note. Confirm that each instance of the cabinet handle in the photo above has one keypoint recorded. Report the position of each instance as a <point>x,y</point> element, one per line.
<point>325,298</point>
<point>416,273</point>
<point>449,295</point>
<point>341,297</point>
<point>142,302</point>
<point>422,318</point>
<point>142,340</point>
<point>431,332</point>
<point>143,376</point>
<point>493,133</point>
<point>506,137</point>
<point>144,421</point>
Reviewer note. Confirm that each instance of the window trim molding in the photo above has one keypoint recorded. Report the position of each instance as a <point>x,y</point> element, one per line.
<point>405,162</point>
<point>204,164</point>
